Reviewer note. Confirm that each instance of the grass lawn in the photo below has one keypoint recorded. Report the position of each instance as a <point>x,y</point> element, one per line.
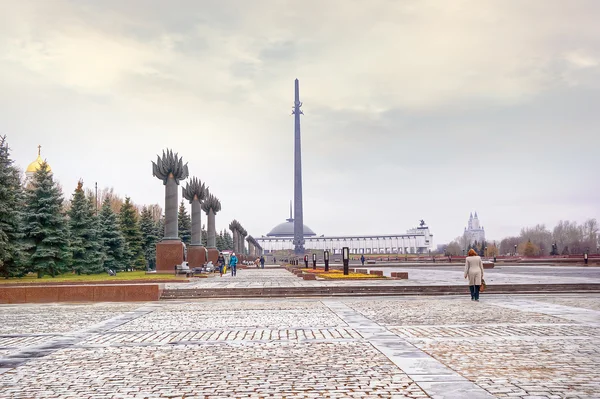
<point>69,277</point>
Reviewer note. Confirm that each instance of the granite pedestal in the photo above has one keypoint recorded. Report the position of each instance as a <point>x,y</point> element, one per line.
<point>196,256</point>
<point>169,253</point>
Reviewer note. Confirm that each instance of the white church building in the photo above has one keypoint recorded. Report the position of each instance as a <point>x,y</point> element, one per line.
<point>474,232</point>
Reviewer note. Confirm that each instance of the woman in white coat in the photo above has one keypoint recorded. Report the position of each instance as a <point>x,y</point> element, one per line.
<point>474,272</point>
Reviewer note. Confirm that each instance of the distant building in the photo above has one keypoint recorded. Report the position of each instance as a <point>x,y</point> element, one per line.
<point>474,232</point>
<point>34,167</point>
<point>415,241</point>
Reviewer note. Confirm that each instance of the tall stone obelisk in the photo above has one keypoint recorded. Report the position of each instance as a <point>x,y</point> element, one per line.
<point>298,217</point>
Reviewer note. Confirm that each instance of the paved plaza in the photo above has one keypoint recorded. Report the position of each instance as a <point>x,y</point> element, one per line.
<point>418,276</point>
<point>377,347</point>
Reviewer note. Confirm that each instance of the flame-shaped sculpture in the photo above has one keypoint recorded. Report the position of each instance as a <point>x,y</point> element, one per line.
<point>170,164</point>
<point>211,203</point>
<point>195,189</point>
<point>171,170</point>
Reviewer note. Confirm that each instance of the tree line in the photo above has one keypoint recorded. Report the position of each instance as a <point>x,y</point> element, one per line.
<point>566,238</point>
<point>42,233</point>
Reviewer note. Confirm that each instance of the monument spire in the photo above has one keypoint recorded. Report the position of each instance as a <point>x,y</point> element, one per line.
<point>298,217</point>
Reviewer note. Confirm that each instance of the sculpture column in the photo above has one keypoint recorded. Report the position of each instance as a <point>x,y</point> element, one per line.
<point>171,170</point>
<point>234,227</point>
<point>195,193</point>
<point>211,206</point>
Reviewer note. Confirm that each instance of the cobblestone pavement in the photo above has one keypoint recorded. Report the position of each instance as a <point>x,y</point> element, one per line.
<point>524,347</point>
<point>445,275</point>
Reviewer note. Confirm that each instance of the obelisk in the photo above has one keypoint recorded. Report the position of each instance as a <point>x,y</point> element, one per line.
<point>298,217</point>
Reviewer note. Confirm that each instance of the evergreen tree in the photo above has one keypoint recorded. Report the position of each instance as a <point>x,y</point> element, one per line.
<point>220,242</point>
<point>110,237</point>
<point>228,238</point>
<point>11,262</point>
<point>149,237</point>
<point>159,228</point>
<point>87,254</point>
<point>45,226</point>
<point>204,236</point>
<point>130,228</point>
<point>185,224</point>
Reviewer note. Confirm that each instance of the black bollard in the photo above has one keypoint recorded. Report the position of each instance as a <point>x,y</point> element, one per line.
<point>326,259</point>
<point>314,261</point>
<point>585,258</point>
<point>306,261</point>
<point>346,259</point>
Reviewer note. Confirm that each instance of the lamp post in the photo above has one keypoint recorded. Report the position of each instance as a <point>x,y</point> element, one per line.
<point>515,253</point>
<point>345,259</point>
<point>486,252</point>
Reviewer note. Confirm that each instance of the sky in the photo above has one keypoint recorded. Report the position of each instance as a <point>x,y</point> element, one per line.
<point>413,109</point>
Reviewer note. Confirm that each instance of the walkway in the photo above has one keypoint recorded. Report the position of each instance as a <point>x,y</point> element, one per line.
<point>418,276</point>
<point>418,347</point>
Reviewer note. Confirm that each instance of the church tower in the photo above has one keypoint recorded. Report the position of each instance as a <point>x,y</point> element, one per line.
<point>34,167</point>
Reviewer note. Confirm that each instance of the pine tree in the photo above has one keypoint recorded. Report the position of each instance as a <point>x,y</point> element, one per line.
<point>110,237</point>
<point>220,242</point>
<point>160,228</point>
<point>185,224</point>
<point>228,238</point>
<point>204,236</point>
<point>45,226</point>
<point>86,249</point>
<point>149,237</point>
<point>130,228</point>
<point>11,262</point>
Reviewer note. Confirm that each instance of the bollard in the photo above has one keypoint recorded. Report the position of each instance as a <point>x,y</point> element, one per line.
<point>306,261</point>
<point>585,258</point>
<point>326,259</point>
<point>346,259</point>
<point>314,261</point>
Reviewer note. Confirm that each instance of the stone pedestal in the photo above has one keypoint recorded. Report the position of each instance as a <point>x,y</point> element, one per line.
<point>213,255</point>
<point>169,253</point>
<point>196,256</point>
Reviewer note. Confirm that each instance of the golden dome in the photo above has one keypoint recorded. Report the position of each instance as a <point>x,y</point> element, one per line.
<point>35,165</point>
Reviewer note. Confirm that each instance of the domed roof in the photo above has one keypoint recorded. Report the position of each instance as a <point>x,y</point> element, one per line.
<point>286,229</point>
<point>37,164</point>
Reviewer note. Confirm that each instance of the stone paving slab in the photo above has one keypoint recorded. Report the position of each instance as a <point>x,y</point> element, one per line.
<point>220,319</point>
<point>513,275</point>
<point>251,371</point>
<point>52,318</point>
<point>417,347</point>
<point>188,337</point>
<point>459,311</point>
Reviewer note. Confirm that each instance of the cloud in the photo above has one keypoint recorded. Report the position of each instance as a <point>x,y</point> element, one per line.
<point>407,104</point>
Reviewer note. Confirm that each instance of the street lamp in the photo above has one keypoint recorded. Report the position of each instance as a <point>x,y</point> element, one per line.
<point>345,259</point>
<point>515,253</point>
<point>486,252</point>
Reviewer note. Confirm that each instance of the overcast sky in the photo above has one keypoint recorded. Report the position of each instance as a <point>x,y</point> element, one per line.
<point>414,109</point>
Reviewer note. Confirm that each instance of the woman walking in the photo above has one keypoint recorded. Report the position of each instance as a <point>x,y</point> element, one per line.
<point>221,263</point>
<point>474,272</point>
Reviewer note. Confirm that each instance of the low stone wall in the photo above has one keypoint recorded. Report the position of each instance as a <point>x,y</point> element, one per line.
<point>81,293</point>
<point>402,275</point>
<point>376,272</point>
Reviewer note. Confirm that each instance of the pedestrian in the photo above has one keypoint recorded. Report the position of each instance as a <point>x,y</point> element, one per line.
<point>262,262</point>
<point>233,264</point>
<point>362,259</point>
<point>257,262</point>
<point>474,272</point>
<point>221,263</point>
<point>274,260</point>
